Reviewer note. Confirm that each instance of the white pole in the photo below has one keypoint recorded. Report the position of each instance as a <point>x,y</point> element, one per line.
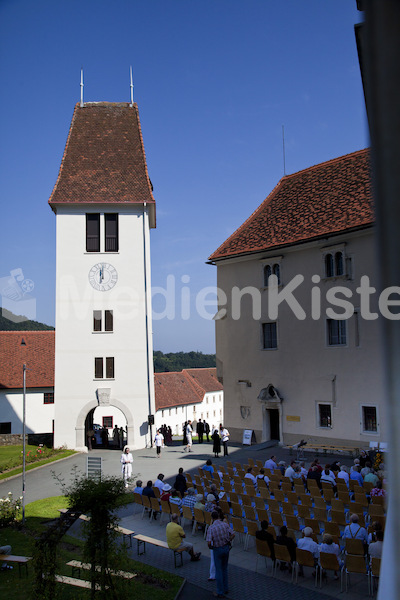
<point>81,88</point>
<point>131,86</point>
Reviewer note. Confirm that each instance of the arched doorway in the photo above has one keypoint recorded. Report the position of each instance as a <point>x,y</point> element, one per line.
<point>87,420</point>
<point>110,427</point>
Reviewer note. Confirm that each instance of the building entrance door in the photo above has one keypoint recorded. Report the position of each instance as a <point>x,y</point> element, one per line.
<point>274,424</point>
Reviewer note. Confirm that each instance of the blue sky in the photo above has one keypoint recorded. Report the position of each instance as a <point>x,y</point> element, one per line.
<point>215,80</point>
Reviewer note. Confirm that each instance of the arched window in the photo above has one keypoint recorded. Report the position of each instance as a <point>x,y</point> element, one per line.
<point>329,265</point>
<point>339,263</point>
<point>277,271</point>
<point>267,273</point>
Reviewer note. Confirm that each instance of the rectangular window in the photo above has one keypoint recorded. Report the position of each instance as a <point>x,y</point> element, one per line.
<point>325,416</point>
<point>336,332</point>
<point>93,232</point>
<point>109,367</point>
<point>111,232</point>
<point>97,320</point>
<point>98,368</point>
<point>194,409</point>
<point>270,340</point>
<point>48,398</point>
<point>109,320</point>
<point>162,413</point>
<point>5,427</point>
<point>370,422</point>
<point>108,422</point>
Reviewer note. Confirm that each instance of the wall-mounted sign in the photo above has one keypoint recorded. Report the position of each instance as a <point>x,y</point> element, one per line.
<point>292,418</point>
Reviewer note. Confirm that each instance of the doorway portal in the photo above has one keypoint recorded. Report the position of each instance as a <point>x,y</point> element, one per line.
<point>274,433</point>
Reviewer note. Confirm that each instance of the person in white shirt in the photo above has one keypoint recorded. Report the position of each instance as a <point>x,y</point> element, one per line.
<point>249,475</point>
<point>159,482</point>
<point>224,435</point>
<point>303,470</point>
<point>327,476</point>
<point>189,432</point>
<point>307,543</point>
<point>290,470</point>
<point>159,442</point>
<point>343,474</point>
<point>375,548</point>
<point>126,461</point>
<point>262,475</point>
<point>271,463</point>
<point>329,547</point>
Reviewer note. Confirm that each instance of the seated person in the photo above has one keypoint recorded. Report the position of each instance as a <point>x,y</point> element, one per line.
<point>264,534</point>
<point>213,491</point>
<point>303,470</point>
<point>210,504</point>
<point>284,540</point>
<point>375,548</point>
<point>297,476</point>
<point>307,543</point>
<point>190,499</point>
<point>249,475</point>
<point>262,475</point>
<point>148,490</point>
<point>290,470</point>
<point>343,474</point>
<point>166,493</point>
<point>5,550</point>
<point>327,476</point>
<point>180,482</point>
<point>175,501</point>
<point>199,502</point>
<point>356,475</point>
<point>314,473</point>
<point>139,487</point>
<point>175,536</point>
<point>376,526</point>
<point>355,531</point>
<point>371,477</point>
<point>208,467</point>
<point>329,547</point>
<point>271,464</point>
<point>159,482</point>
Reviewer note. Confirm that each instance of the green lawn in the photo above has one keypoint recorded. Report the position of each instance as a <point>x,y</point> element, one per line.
<point>11,458</point>
<point>149,583</point>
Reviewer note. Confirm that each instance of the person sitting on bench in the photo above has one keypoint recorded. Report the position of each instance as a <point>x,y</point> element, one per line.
<point>175,535</point>
<point>5,550</point>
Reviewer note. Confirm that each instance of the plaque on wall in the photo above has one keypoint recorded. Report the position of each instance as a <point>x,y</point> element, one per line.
<point>103,396</point>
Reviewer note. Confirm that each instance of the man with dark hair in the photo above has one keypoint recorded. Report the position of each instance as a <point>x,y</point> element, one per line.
<point>219,537</point>
<point>271,463</point>
<point>207,430</point>
<point>284,540</point>
<point>264,534</point>
<point>200,431</point>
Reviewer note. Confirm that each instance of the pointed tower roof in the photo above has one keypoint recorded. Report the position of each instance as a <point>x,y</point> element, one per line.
<point>104,160</point>
<point>326,199</point>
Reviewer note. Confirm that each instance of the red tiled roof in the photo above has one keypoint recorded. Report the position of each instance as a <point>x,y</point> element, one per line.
<point>37,354</point>
<point>326,199</point>
<point>185,387</point>
<point>104,159</point>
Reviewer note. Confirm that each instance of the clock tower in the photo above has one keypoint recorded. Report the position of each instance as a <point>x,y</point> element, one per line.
<point>104,206</point>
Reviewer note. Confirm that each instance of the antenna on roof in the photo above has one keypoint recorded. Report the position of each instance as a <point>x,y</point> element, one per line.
<point>81,88</point>
<point>283,146</point>
<point>131,86</point>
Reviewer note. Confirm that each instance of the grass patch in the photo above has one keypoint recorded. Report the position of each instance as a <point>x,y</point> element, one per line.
<point>11,458</point>
<point>149,583</point>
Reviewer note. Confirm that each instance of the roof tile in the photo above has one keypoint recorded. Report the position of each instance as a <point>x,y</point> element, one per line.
<point>37,353</point>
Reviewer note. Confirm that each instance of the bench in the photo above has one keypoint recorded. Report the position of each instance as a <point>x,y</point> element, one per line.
<point>21,560</point>
<point>126,533</point>
<point>76,582</point>
<point>77,565</point>
<point>143,539</point>
<point>325,448</point>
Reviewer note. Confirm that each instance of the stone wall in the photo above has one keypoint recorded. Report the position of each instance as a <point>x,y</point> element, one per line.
<point>12,439</point>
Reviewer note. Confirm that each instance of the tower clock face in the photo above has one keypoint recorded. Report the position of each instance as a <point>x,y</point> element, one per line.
<point>103,277</point>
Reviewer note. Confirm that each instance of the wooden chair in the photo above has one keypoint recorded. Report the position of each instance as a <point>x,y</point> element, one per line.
<point>286,487</point>
<point>381,500</point>
<point>306,500</point>
<point>234,497</point>
<point>320,514</point>
<point>305,558</point>
<point>374,573</point>
<point>199,519</point>
<point>273,486</point>
<point>313,487</point>
<point>337,504</point>
<point>155,506</point>
<point>319,502</point>
<point>264,493</point>
<point>279,495</point>
<point>354,546</point>
<point>303,511</point>
<point>238,527</point>
<point>146,505</point>
<point>375,510</point>
<point>292,523</point>
<point>292,498</point>
<point>186,515</point>
<point>251,462</point>
<point>250,490</point>
<point>262,514</point>
<point>156,491</point>
<point>259,502</point>
<point>314,524</point>
<point>332,528</point>
<point>338,517</point>
<point>237,510</point>
<point>368,486</point>
<point>208,521</point>
<point>329,562</point>
<point>328,494</point>
<point>259,464</point>
<point>137,498</point>
<point>250,513</point>
<point>246,500</point>
<point>229,464</point>
<point>276,519</point>
<point>166,509</point>
<point>273,505</point>
<point>224,506</point>
<point>344,496</point>
<point>263,549</point>
<point>252,528</point>
<point>355,564</point>
<point>281,556</point>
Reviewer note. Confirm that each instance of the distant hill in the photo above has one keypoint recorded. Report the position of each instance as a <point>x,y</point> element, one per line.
<point>176,361</point>
<point>11,322</point>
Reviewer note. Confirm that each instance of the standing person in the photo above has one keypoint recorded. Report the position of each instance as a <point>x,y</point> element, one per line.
<point>189,432</point>
<point>159,442</point>
<point>184,441</point>
<point>116,438</point>
<point>200,431</point>
<point>90,436</point>
<point>104,437</point>
<point>224,433</point>
<point>121,437</point>
<point>126,461</point>
<point>219,537</point>
<point>216,443</point>
<point>206,430</point>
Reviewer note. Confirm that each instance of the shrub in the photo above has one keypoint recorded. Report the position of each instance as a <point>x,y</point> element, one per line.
<point>9,509</point>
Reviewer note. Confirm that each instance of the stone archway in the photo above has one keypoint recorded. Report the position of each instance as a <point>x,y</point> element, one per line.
<point>80,441</point>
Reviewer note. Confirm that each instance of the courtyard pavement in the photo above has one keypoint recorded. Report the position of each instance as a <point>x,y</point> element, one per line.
<point>247,579</point>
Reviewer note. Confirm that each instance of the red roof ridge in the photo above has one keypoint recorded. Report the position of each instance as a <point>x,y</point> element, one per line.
<point>327,162</point>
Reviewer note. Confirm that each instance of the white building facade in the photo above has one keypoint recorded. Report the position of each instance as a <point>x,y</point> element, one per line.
<point>104,210</point>
<point>293,365</point>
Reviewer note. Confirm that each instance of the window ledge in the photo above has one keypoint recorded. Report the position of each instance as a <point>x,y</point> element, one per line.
<point>100,332</point>
<point>105,379</point>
